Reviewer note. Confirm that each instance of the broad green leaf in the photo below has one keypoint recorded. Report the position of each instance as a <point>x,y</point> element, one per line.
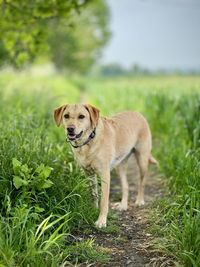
<point>39,168</point>
<point>16,162</point>
<point>43,171</point>
<point>38,209</point>
<point>25,169</point>
<point>19,182</point>
<point>47,184</point>
<point>16,165</point>
<point>46,171</point>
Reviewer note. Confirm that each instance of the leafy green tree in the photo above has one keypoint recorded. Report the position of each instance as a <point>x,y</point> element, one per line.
<point>77,47</point>
<point>24,25</point>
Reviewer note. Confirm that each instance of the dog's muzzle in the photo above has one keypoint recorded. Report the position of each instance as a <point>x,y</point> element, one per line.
<point>73,136</point>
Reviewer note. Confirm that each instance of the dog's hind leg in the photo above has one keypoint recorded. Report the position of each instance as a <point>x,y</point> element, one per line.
<point>143,162</point>
<point>121,170</point>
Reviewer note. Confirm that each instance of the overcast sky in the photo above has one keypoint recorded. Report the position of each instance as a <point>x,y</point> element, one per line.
<point>154,33</point>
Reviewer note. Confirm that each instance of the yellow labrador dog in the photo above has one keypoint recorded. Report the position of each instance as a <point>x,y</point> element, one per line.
<point>101,144</point>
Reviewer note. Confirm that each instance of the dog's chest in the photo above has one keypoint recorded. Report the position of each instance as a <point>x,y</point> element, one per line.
<point>87,163</point>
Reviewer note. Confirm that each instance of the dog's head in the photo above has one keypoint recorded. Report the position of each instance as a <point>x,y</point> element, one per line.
<point>77,119</point>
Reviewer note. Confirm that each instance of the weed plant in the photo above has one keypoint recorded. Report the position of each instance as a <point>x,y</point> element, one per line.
<point>44,195</point>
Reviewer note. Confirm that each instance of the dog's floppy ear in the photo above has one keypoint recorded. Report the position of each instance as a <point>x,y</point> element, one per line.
<point>58,114</point>
<point>94,114</point>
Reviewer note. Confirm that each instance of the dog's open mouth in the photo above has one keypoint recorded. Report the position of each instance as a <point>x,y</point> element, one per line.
<point>73,137</point>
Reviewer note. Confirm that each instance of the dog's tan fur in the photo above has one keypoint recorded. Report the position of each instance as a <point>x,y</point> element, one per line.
<point>116,138</point>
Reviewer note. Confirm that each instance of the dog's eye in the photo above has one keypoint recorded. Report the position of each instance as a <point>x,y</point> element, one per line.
<point>66,116</point>
<point>81,116</point>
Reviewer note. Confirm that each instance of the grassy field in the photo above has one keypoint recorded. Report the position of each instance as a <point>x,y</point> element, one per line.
<point>45,196</point>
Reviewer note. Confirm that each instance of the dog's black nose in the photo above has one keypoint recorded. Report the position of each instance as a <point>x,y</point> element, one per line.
<point>70,129</point>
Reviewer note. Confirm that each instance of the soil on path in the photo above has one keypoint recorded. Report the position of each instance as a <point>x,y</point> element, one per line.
<point>128,246</point>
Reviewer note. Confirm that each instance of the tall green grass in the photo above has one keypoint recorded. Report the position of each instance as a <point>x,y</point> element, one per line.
<point>179,216</point>
<point>172,106</point>
<point>45,196</point>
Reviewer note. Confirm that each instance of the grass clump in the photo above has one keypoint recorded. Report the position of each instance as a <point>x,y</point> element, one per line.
<point>179,215</point>
<point>84,252</point>
<point>44,195</point>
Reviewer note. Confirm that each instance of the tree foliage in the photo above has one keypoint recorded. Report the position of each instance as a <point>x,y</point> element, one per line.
<point>29,26</point>
<point>78,46</point>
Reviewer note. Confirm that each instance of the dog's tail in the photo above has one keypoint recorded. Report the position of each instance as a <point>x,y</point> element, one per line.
<point>152,160</point>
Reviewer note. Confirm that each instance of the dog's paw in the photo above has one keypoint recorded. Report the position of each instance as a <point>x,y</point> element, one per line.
<point>139,202</point>
<point>100,223</point>
<point>120,206</point>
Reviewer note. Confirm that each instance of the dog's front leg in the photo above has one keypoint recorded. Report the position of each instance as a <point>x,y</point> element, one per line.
<point>93,183</point>
<point>104,203</point>
<point>94,189</point>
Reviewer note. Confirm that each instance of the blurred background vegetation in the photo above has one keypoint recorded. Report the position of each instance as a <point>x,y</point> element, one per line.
<point>70,34</point>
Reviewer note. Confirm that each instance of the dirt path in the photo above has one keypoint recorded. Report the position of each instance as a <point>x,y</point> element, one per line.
<point>127,246</point>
